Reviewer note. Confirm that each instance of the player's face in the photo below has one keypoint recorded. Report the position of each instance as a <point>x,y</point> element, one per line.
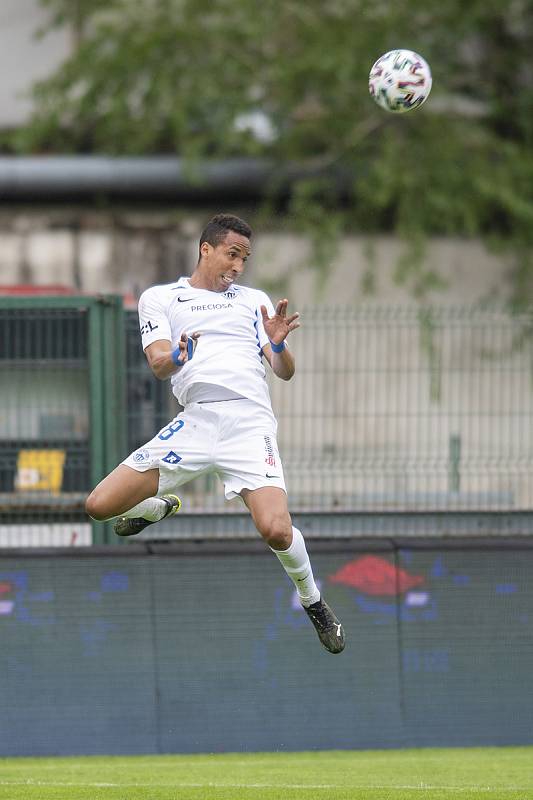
<point>225,263</point>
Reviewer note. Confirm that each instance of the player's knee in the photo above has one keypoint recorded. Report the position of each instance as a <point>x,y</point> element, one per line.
<point>277,532</point>
<point>95,508</point>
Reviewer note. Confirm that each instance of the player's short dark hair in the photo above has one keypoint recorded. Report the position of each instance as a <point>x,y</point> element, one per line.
<point>219,226</point>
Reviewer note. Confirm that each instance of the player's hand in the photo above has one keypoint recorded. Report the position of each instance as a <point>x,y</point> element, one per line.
<point>187,346</point>
<point>278,327</point>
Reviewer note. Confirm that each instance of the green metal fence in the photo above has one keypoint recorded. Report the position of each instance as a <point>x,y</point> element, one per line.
<point>402,409</point>
<point>392,411</point>
<point>62,425</point>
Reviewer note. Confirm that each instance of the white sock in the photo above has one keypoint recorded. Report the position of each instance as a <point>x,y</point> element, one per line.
<point>153,509</point>
<point>296,564</point>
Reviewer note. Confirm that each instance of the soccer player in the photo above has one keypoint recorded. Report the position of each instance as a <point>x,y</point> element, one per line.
<point>208,335</point>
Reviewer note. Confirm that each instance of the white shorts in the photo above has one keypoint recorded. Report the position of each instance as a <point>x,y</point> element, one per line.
<point>235,439</point>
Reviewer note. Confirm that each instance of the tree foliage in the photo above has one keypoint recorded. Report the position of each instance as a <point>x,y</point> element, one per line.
<point>191,76</point>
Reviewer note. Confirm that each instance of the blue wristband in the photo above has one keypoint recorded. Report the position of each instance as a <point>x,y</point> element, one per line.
<point>176,357</point>
<point>277,348</point>
<point>176,353</point>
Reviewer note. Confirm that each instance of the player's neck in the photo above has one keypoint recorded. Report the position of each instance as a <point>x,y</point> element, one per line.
<point>199,280</point>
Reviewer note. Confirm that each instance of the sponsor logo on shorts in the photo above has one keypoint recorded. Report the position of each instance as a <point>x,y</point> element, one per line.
<point>171,458</point>
<point>270,458</point>
<point>141,456</point>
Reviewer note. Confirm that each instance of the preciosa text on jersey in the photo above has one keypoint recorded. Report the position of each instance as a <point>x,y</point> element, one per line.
<point>212,307</point>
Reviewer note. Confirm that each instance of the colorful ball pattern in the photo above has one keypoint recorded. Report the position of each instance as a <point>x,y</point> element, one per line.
<point>400,80</point>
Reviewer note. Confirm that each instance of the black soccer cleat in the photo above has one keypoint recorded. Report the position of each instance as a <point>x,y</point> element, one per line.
<point>329,629</point>
<point>129,527</point>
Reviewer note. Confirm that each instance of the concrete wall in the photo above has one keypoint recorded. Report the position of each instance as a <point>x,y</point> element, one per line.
<point>127,251</point>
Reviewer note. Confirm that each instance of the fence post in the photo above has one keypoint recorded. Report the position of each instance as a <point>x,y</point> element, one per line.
<point>107,365</point>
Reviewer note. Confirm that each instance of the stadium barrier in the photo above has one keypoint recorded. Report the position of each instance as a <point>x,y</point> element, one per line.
<point>395,417</point>
<point>204,648</point>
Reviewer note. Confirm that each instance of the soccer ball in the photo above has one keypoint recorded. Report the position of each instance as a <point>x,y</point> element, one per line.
<point>400,80</point>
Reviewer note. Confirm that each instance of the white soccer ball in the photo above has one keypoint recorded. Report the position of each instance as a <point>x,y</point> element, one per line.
<point>400,80</point>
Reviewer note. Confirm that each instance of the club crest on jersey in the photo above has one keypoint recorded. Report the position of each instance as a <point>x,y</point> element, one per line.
<point>230,295</point>
<point>141,456</point>
<point>270,458</point>
<point>171,458</point>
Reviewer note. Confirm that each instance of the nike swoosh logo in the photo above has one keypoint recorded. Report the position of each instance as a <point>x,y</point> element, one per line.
<point>185,299</point>
<point>271,476</point>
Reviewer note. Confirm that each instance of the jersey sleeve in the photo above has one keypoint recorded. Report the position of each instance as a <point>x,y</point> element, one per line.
<point>153,318</point>
<point>263,300</point>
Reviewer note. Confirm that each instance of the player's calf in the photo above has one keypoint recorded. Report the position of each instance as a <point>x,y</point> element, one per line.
<point>129,526</point>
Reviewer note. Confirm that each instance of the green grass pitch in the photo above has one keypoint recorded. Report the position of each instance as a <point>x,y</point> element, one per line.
<point>482,773</point>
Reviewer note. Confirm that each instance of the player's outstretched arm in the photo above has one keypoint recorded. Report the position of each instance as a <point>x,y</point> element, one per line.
<point>164,359</point>
<point>277,328</point>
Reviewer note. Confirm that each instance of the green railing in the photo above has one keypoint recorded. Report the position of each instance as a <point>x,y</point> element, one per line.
<point>391,411</point>
<point>408,409</point>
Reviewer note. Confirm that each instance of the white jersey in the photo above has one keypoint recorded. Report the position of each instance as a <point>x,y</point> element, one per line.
<point>232,336</point>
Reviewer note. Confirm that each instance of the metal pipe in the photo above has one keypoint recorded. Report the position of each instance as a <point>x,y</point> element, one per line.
<point>45,178</point>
